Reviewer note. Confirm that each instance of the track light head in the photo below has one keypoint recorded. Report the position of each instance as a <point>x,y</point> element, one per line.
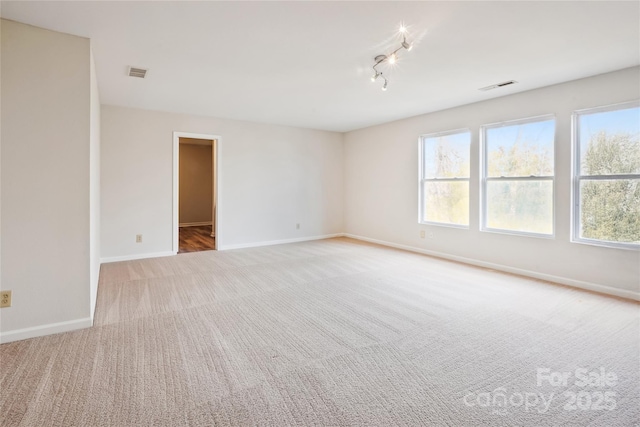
<point>388,60</point>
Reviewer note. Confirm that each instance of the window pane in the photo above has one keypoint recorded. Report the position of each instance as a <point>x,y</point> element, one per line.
<point>520,150</point>
<point>520,206</point>
<point>447,156</point>
<point>610,210</point>
<point>446,202</point>
<point>609,142</point>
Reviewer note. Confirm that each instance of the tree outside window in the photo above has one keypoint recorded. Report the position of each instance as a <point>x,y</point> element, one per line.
<point>444,178</point>
<point>518,174</point>
<point>607,178</point>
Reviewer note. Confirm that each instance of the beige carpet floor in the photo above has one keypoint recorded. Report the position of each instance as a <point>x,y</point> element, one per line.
<point>328,333</point>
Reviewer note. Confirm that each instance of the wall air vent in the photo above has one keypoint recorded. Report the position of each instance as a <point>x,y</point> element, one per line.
<point>137,72</point>
<point>486,88</point>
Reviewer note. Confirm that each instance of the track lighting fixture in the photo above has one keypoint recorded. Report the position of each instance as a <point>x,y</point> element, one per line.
<point>391,58</point>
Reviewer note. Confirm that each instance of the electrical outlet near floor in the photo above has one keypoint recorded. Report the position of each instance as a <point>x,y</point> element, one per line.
<point>422,234</point>
<point>298,226</point>
<point>5,299</point>
<point>138,238</point>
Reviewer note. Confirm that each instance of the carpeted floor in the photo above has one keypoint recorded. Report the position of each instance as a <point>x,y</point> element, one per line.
<point>328,333</point>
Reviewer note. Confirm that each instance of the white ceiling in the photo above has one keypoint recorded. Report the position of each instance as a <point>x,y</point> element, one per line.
<point>308,64</point>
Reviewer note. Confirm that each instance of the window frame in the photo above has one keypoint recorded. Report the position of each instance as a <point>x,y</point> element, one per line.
<point>484,179</point>
<point>576,176</point>
<point>422,180</point>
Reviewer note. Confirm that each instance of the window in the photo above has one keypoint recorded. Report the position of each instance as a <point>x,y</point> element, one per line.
<point>444,178</point>
<point>606,185</point>
<point>517,176</point>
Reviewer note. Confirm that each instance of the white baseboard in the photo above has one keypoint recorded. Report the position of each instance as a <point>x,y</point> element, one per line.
<point>194,224</point>
<point>279,242</point>
<point>39,331</point>
<point>603,289</point>
<point>136,256</point>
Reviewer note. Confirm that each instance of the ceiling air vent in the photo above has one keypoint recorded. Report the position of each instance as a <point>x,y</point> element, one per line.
<point>486,88</point>
<point>137,72</point>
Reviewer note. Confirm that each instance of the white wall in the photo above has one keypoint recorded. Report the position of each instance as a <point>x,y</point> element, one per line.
<point>271,177</point>
<point>1,287</point>
<point>45,181</point>
<point>381,187</point>
<point>94,188</point>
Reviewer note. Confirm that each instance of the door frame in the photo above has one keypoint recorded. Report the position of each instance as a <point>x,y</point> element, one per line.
<point>215,148</point>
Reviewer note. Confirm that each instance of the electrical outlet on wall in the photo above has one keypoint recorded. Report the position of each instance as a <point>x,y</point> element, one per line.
<point>5,299</point>
<point>138,238</point>
<point>422,234</point>
<point>298,226</point>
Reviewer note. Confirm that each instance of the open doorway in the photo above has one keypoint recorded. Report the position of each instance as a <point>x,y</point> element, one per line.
<point>195,192</point>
